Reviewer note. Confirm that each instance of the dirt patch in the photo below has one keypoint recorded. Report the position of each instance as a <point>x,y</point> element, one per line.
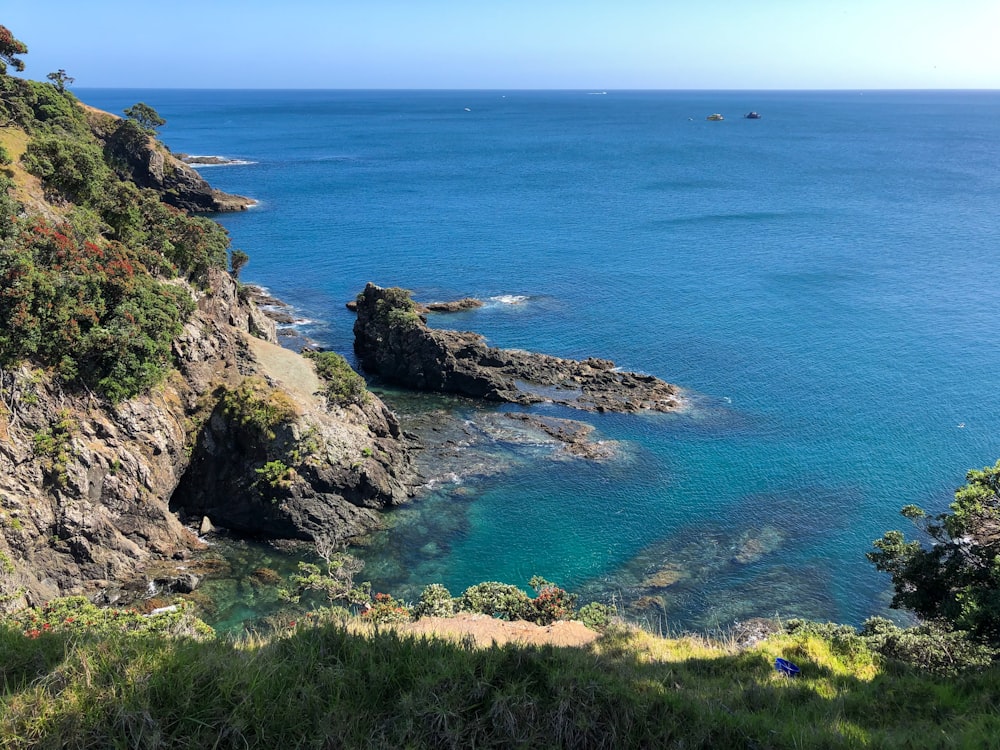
<point>487,630</point>
<point>289,371</point>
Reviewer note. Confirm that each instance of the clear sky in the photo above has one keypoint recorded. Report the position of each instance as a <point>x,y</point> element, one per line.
<point>513,44</point>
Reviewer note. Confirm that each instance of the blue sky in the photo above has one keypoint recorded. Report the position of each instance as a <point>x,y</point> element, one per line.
<point>514,44</point>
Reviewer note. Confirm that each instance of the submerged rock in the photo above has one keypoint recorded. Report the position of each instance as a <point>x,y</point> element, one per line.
<point>393,340</point>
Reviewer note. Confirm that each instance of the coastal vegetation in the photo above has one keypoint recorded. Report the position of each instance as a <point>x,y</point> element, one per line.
<point>97,278</point>
<point>342,385</point>
<point>88,267</point>
<point>72,675</point>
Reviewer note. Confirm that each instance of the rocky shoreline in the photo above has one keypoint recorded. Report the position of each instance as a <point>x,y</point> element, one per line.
<point>392,340</point>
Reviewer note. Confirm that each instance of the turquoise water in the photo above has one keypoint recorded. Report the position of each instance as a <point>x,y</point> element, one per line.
<point>821,281</point>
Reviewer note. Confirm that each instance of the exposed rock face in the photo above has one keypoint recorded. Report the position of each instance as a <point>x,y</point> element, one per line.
<point>148,163</point>
<point>85,486</point>
<point>331,469</point>
<point>392,340</point>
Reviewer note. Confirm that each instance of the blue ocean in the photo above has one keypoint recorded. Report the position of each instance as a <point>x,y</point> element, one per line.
<point>821,282</point>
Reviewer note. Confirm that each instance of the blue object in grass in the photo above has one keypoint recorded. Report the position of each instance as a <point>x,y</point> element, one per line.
<point>786,667</point>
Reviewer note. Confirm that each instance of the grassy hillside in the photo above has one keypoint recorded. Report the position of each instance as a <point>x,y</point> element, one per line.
<point>327,685</point>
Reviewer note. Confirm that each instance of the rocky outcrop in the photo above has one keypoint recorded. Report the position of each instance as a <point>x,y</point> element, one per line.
<point>316,473</point>
<point>141,158</point>
<point>86,487</point>
<point>455,305</point>
<point>392,340</point>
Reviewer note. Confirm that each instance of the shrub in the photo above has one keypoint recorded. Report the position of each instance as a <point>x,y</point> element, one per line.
<point>343,385</point>
<point>501,600</point>
<point>92,311</point>
<point>595,615</point>
<point>435,601</point>
<point>928,647</point>
<point>54,446</point>
<point>274,473</point>
<point>257,407</point>
<point>955,581</point>
<point>551,603</point>
<point>385,610</point>
<point>72,168</point>
<point>75,614</point>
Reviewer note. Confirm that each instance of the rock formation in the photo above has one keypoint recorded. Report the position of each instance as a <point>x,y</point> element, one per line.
<point>86,487</point>
<point>393,341</point>
<point>148,163</point>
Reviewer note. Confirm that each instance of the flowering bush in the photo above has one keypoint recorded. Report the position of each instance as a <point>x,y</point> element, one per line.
<point>75,614</point>
<point>385,609</point>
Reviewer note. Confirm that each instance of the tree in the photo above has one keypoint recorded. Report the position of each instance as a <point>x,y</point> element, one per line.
<point>145,116</point>
<point>956,581</point>
<point>237,260</point>
<point>60,80</point>
<point>9,48</point>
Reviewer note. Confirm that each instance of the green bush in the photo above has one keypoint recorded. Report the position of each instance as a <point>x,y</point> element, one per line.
<point>257,407</point>
<point>435,601</point>
<point>502,600</point>
<point>595,615</point>
<point>928,647</point>
<point>72,168</point>
<point>342,385</point>
<point>386,610</point>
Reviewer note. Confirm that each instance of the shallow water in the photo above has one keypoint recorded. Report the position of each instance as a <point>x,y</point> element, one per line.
<point>821,281</point>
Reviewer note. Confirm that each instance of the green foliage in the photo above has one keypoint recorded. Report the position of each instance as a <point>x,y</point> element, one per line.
<point>10,48</point>
<point>93,313</point>
<point>595,615</point>
<point>257,407</point>
<point>78,616</point>
<point>929,647</point>
<point>435,601</point>
<point>386,610</point>
<point>60,80</point>
<point>71,168</point>
<point>54,446</point>
<point>5,159</point>
<point>501,600</point>
<point>335,579</point>
<point>274,474</point>
<point>237,260</point>
<point>343,386</point>
<point>956,581</point>
<point>145,116</point>
<point>395,309</point>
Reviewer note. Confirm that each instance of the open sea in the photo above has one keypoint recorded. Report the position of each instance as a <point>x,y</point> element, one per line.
<point>822,282</point>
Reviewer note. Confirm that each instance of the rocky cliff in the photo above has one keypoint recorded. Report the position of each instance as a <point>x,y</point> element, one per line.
<point>142,159</point>
<point>393,340</point>
<point>86,488</point>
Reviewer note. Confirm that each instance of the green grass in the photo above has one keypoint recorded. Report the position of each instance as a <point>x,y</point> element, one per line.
<point>317,686</point>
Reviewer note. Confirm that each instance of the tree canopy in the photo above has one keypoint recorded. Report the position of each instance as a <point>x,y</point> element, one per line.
<point>9,49</point>
<point>145,116</point>
<point>956,580</point>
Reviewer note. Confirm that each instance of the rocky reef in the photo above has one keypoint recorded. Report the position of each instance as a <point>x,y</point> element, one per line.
<point>92,494</point>
<point>392,340</point>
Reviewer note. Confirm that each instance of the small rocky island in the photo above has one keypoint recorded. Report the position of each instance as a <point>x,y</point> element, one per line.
<point>392,340</point>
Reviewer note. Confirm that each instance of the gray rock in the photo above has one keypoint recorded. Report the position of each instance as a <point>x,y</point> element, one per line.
<point>393,340</point>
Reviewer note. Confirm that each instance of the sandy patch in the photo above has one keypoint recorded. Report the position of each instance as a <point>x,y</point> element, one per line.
<point>487,630</point>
